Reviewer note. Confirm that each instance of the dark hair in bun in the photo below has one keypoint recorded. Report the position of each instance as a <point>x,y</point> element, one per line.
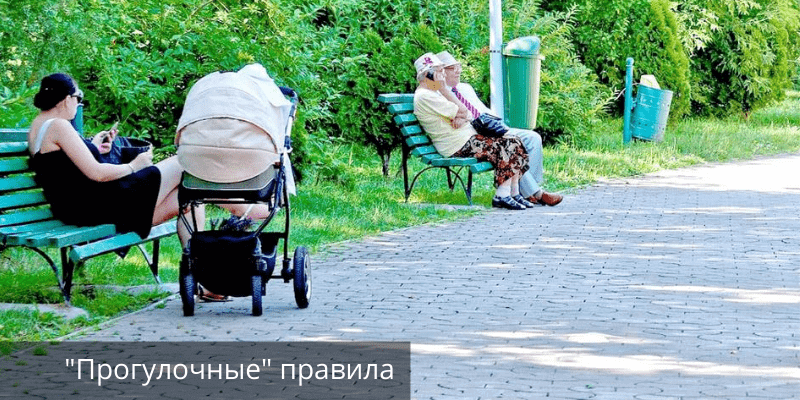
<point>54,88</point>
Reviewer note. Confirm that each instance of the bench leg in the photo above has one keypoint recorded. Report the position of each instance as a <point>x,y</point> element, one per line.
<point>154,265</point>
<point>405,171</point>
<point>67,270</point>
<point>52,264</point>
<point>152,262</point>
<point>450,183</point>
<point>468,189</point>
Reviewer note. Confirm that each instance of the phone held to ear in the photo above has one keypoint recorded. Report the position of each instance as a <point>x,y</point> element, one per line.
<point>429,75</point>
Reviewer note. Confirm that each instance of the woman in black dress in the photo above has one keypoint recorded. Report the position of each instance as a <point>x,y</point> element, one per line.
<point>82,191</point>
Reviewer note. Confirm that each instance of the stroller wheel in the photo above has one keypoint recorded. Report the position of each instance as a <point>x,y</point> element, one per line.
<point>187,289</point>
<point>301,273</point>
<point>255,282</point>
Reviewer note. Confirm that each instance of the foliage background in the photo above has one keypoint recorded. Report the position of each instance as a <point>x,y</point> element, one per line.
<point>136,59</point>
<point>746,55</point>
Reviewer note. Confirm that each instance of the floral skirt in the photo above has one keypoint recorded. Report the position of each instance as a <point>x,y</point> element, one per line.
<point>507,154</point>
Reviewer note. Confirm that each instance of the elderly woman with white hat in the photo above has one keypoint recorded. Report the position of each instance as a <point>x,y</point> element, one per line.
<point>530,182</point>
<point>445,120</point>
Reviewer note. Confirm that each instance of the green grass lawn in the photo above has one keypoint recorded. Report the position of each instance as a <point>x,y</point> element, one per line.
<point>364,203</point>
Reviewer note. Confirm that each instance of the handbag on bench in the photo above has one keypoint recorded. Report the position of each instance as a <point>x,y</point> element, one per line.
<point>489,125</point>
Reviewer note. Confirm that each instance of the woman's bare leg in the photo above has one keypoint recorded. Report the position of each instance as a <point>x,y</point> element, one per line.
<point>171,172</point>
<point>167,208</point>
<point>183,230</point>
<point>504,189</point>
<point>514,185</point>
<point>259,211</point>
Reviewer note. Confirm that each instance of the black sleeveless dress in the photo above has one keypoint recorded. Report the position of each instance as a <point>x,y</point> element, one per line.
<point>128,202</point>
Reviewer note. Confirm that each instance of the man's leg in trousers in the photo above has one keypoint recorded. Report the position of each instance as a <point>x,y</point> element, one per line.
<point>530,181</point>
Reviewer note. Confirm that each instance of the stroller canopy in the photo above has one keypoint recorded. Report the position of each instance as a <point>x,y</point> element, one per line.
<point>233,125</point>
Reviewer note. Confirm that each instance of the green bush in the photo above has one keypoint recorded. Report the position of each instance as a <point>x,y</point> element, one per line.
<point>571,99</point>
<point>137,60</point>
<point>607,32</point>
<point>746,60</point>
<point>743,53</point>
<point>363,49</point>
<point>38,37</point>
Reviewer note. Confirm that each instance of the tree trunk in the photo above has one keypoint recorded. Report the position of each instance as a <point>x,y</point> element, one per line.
<point>385,159</point>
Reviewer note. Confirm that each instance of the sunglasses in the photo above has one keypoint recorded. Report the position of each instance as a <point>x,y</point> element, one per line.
<point>78,95</point>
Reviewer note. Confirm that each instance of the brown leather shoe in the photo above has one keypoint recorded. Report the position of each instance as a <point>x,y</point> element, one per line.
<point>547,199</point>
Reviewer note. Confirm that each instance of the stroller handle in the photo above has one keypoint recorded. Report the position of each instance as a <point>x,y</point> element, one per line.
<point>290,93</point>
<point>293,98</point>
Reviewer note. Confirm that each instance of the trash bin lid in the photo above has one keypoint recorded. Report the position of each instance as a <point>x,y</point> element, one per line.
<point>526,46</point>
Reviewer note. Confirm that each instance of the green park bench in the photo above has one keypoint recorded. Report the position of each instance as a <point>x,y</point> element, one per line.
<point>416,142</point>
<point>27,221</point>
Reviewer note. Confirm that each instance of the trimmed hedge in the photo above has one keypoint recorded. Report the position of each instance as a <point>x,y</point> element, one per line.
<point>610,31</point>
<point>720,57</point>
<point>746,61</point>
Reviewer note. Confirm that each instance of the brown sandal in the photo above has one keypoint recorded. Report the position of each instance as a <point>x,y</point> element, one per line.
<point>207,297</point>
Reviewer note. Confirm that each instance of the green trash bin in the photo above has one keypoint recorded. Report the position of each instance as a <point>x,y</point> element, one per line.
<point>646,118</point>
<point>522,67</point>
<point>650,114</point>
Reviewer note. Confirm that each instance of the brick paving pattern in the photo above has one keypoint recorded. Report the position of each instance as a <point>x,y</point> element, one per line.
<point>682,284</point>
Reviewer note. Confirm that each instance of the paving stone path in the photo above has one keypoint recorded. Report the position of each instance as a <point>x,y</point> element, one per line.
<point>683,284</point>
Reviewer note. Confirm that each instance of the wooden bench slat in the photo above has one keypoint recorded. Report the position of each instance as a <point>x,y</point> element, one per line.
<point>19,182</point>
<point>17,164</point>
<point>7,148</point>
<point>82,235</point>
<point>73,236</point>
<point>412,130</point>
<point>22,238</point>
<point>16,200</point>
<point>82,252</point>
<point>401,108</point>
<point>418,141</point>
<point>33,226</point>
<point>482,166</point>
<point>14,135</point>
<point>42,233</point>
<point>391,98</point>
<point>424,150</point>
<point>405,119</point>
<point>429,158</point>
<point>21,217</point>
<point>453,162</point>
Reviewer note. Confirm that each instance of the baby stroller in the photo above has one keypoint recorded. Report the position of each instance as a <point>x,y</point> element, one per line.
<point>233,142</point>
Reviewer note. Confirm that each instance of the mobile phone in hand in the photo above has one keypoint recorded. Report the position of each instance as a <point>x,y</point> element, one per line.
<point>429,75</point>
<point>107,137</point>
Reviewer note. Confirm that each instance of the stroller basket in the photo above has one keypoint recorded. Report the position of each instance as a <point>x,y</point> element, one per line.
<point>243,254</point>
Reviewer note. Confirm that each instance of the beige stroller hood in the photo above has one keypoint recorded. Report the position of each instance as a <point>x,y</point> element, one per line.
<point>233,126</point>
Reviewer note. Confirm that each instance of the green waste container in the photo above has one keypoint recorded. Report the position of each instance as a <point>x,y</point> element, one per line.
<point>645,118</point>
<point>650,114</point>
<point>522,67</point>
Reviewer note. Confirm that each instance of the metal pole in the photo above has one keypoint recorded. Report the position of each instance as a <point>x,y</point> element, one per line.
<point>495,57</point>
<point>626,128</point>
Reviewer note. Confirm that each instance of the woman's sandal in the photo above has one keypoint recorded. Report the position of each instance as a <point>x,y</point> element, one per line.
<point>205,296</point>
